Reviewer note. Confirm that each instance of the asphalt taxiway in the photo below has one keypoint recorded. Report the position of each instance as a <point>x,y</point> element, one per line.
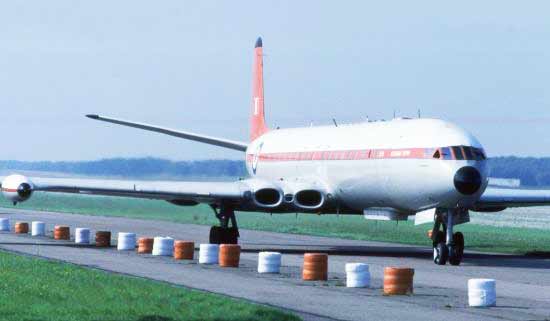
<point>440,292</point>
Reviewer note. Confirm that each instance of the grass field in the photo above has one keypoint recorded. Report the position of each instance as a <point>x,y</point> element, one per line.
<point>504,239</point>
<point>32,289</point>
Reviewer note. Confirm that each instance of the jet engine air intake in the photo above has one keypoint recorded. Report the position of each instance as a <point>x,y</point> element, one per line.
<point>309,199</point>
<point>268,197</point>
<point>24,190</point>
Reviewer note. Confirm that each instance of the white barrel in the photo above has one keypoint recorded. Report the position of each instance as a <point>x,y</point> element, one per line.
<point>82,235</point>
<point>38,228</point>
<point>269,262</point>
<point>357,275</point>
<point>4,224</point>
<point>208,253</point>
<point>126,241</point>
<point>163,246</point>
<point>482,292</point>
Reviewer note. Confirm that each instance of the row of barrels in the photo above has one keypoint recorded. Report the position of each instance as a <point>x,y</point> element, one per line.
<point>315,265</point>
<point>60,232</point>
<point>38,229</point>
<point>397,280</point>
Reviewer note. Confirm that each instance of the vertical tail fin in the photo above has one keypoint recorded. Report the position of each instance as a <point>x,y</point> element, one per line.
<point>257,118</point>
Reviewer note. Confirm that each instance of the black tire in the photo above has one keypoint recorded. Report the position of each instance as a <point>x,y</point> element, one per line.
<point>457,253</point>
<point>215,235</point>
<point>439,237</point>
<point>220,235</point>
<point>441,253</point>
<point>233,235</point>
<point>230,235</point>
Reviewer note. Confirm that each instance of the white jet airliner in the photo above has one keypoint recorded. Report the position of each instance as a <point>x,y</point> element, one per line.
<point>389,170</point>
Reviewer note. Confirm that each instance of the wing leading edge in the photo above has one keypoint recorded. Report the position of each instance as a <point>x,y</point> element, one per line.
<point>221,142</point>
<point>500,198</point>
<point>199,192</point>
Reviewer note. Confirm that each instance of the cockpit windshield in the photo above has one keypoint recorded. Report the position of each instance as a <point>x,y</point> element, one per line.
<point>459,153</point>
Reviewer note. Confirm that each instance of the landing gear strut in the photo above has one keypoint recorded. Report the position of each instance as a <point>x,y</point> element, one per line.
<point>447,246</point>
<point>224,234</point>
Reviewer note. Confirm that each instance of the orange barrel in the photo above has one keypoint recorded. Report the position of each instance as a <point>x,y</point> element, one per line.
<point>61,232</point>
<point>398,281</point>
<point>21,227</point>
<point>229,255</point>
<point>315,267</point>
<point>103,238</point>
<point>185,250</point>
<point>145,245</point>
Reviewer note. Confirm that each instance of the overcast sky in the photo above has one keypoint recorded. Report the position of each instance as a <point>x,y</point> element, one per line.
<point>187,65</point>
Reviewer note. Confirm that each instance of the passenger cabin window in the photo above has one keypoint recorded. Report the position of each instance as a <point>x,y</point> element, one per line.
<point>437,154</point>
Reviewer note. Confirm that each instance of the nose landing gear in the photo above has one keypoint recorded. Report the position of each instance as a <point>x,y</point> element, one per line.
<point>456,251</point>
<point>447,246</point>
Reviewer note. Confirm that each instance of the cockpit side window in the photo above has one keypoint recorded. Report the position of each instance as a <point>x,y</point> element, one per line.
<point>468,152</point>
<point>446,153</point>
<point>457,151</point>
<point>478,153</point>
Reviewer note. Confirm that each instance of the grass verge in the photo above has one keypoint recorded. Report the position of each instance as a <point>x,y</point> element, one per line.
<point>38,289</point>
<point>478,237</point>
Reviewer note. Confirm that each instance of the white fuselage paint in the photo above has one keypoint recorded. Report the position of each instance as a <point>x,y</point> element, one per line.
<point>395,178</point>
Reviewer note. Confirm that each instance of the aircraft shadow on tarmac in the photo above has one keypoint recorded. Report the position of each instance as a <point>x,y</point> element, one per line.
<point>537,260</point>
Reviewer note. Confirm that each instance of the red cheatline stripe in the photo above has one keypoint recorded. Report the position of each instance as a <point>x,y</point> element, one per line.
<point>407,153</point>
<point>9,189</point>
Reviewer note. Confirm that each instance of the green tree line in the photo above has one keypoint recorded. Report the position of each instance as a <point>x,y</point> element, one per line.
<point>530,170</point>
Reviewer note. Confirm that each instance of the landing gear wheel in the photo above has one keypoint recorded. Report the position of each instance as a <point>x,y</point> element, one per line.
<point>224,234</point>
<point>231,235</point>
<point>221,235</point>
<point>215,235</point>
<point>456,251</point>
<point>441,253</point>
<point>439,237</point>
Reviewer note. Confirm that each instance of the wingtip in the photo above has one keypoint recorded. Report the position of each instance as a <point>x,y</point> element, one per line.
<point>92,116</point>
<point>258,43</point>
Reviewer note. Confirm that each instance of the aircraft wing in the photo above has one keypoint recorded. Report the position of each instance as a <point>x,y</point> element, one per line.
<point>495,198</point>
<point>177,192</point>
<point>221,142</point>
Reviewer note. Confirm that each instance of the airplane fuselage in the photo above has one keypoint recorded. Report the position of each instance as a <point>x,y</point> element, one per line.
<point>405,164</point>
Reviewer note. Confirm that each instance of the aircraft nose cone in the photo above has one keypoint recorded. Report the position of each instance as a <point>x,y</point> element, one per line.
<point>467,180</point>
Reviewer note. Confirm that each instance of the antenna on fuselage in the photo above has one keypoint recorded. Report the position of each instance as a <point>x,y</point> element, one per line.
<point>335,123</point>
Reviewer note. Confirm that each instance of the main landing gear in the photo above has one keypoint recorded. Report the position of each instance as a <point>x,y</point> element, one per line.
<point>447,246</point>
<point>224,234</point>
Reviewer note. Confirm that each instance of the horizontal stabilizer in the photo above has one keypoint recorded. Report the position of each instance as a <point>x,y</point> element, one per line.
<point>241,146</point>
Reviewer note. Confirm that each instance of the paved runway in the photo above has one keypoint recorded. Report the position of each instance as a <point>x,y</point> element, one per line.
<point>523,283</point>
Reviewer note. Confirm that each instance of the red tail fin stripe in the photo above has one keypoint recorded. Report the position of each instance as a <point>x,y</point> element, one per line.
<point>257,118</point>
